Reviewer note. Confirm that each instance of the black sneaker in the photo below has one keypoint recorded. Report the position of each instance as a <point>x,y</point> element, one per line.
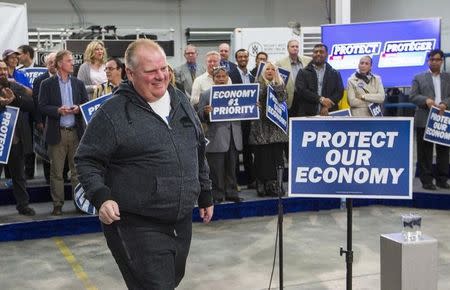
<point>26,210</point>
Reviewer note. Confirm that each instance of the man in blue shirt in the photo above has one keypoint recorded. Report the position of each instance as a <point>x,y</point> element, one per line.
<point>59,99</point>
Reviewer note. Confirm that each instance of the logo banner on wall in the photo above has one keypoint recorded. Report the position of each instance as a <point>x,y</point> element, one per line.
<point>234,102</point>
<point>351,157</point>
<point>88,109</point>
<point>8,125</point>
<point>438,127</point>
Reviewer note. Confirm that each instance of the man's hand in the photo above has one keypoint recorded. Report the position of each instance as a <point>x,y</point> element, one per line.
<point>323,111</point>
<point>109,212</point>
<point>206,213</point>
<point>8,97</point>
<point>207,109</point>
<point>75,109</point>
<point>326,102</point>
<point>430,103</point>
<point>442,107</point>
<point>64,110</point>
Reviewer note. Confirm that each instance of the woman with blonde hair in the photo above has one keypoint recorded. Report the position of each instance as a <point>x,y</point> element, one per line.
<point>92,71</point>
<point>268,140</point>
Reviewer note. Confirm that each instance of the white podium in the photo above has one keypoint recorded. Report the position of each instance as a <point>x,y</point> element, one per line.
<point>408,265</point>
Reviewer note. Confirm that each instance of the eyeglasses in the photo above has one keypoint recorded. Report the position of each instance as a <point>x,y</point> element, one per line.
<point>110,68</point>
<point>435,59</point>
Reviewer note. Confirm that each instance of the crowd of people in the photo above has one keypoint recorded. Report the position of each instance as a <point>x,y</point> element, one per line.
<point>151,152</point>
<point>313,88</point>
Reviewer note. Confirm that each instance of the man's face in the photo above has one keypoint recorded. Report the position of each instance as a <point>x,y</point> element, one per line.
<point>3,70</point>
<point>212,61</point>
<point>261,58</point>
<point>12,60</point>
<point>365,65</point>
<point>435,63</point>
<point>23,57</point>
<point>224,50</point>
<point>319,55</point>
<point>51,64</point>
<point>293,48</point>
<point>150,77</point>
<point>112,71</point>
<point>66,64</point>
<point>220,78</point>
<point>242,59</point>
<point>191,55</point>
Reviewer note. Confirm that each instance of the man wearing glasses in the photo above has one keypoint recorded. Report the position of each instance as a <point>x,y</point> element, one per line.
<point>186,73</point>
<point>431,88</point>
<point>115,73</point>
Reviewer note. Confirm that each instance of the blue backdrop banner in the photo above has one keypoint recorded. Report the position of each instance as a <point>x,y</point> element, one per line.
<point>234,102</point>
<point>351,157</point>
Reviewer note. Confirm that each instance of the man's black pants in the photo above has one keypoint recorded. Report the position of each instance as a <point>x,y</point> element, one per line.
<point>150,255</point>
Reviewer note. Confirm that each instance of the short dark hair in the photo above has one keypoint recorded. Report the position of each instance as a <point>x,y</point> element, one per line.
<point>120,65</point>
<point>434,52</point>
<point>320,45</point>
<point>261,52</point>
<point>27,49</point>
<point>240,50</point>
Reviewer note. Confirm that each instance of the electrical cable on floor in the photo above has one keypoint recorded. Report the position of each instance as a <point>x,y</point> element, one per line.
<point>274,257</point>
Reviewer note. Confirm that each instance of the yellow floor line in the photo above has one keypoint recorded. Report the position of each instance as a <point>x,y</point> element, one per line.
<point>76,267</point>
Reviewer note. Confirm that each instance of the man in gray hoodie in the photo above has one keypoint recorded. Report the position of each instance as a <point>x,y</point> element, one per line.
<point>142,164</point>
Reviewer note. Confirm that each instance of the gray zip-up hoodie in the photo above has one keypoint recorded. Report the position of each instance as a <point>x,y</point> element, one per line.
<point>130,155</point>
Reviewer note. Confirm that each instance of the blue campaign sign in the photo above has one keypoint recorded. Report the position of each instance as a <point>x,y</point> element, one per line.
<point>275,111</point>
<point>351,157</point>
<point>259,70</point>
<point>8,125</point>
<point>234,102</point>
<point>88,109</point>
<point>33,72</point>
<point>375,110</point>
<point>341,113</point>
<point>284,73</point>
<point>438,127</point>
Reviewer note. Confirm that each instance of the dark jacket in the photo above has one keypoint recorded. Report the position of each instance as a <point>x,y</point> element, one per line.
<point>130,155</point>
<point>50,101</point>
<point>236,78</point>
<point>38,117</point>
<point>306,100</point>
<point>25,103</point>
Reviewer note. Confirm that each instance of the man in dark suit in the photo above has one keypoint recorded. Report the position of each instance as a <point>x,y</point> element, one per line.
<point>38,117</point>
<point>187,72</point>
<point>59,99</point>
<point>240,75</point>
<point>224,50</point>
<point>431,88</point>
<point>17,96</point>
<point>318,87</point>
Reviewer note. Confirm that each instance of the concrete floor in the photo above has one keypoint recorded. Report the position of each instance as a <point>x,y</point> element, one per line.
<point>234,254</point>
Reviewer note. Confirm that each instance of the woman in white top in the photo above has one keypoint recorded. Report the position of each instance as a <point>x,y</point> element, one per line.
<point>364,88</point>
<point>92,71</point>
